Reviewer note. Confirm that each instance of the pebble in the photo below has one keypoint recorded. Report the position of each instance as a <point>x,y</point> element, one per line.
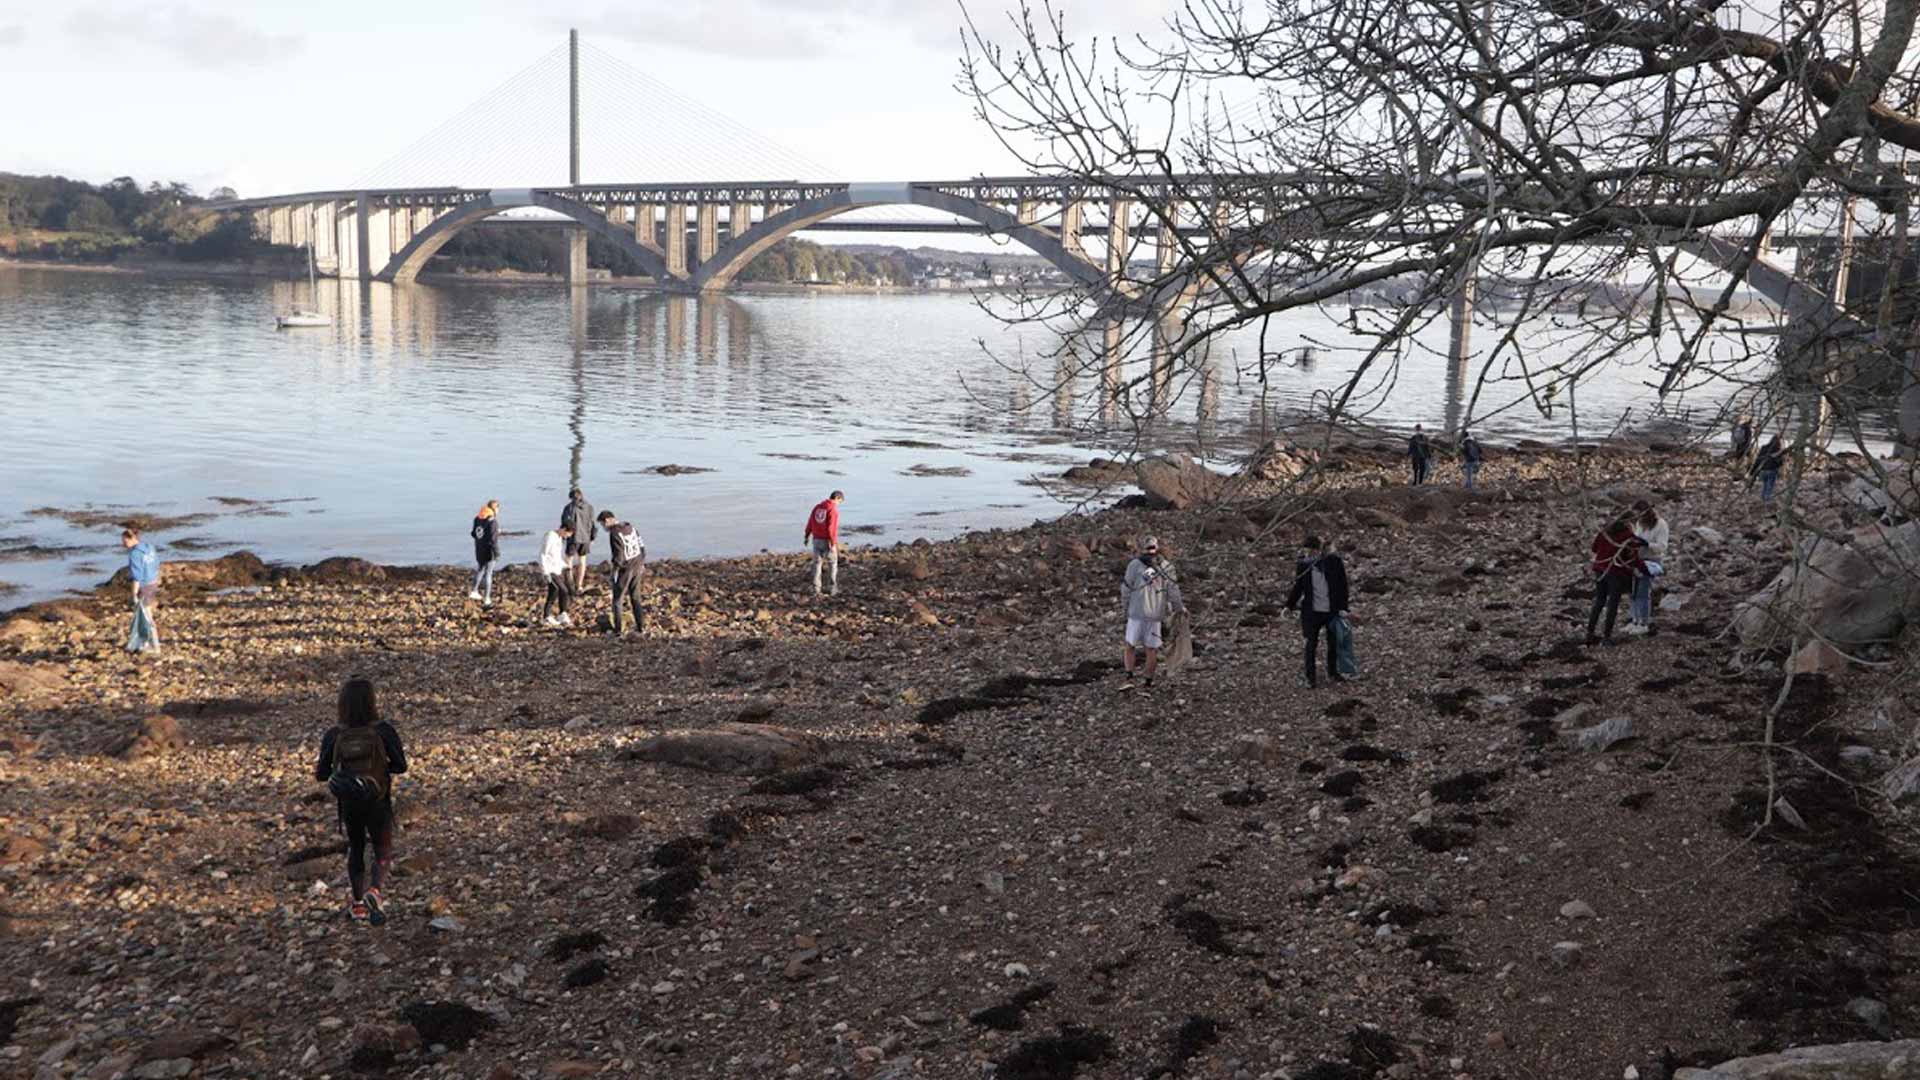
<point>1017,971</point>
<point>664,987</point>
<point>1567,954</point>
<point>1577,909</point>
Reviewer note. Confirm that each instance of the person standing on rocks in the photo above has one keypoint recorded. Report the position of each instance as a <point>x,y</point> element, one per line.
<point>1470,456</point>
<point>1419,454</point>
<point>1319,594</point>
<point>486,551</point>
<point>823,540</point>
<point>1742,439</point>
<point>577,516</point>
<point>1150,596</point>
<point>554,566</point>
<point>143,567</point>
<point>1653,533</point>
<point>359,757</point>
<point>629,555</point>
<point>1766,466</point>
<point>1616,561</point>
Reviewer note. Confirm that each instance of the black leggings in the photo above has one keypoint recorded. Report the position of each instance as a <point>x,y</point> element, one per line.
<point>559,588</point>
<point>1311,623</point>
<point>626,586</point>
<point>1607,592</point>
<point>371,821</point>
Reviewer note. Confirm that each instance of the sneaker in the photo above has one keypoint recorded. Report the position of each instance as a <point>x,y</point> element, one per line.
<point>566,620</point>
<point>376,914</point>
<point>1636,629</point>
<point>550,621</point>
<point>358,911</point>
<point>474,595</point>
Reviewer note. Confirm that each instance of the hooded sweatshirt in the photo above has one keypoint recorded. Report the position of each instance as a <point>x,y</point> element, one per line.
<point>1654,539</point>
<point>143,562</point>
<point>1615,554</point>
<point>553,553</point>
<point>486,537</point>
<point>824,522</point>
<point>1149,591</point>
<point>578,515</point>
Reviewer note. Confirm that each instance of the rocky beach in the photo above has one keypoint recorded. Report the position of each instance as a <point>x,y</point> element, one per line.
<point>924,829</point>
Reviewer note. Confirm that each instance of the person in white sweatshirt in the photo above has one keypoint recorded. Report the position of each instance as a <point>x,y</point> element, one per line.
<point>559,575</point>
<point>1654,533</point>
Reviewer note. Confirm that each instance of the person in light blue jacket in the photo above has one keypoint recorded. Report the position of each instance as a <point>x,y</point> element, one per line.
<point>143,566</point>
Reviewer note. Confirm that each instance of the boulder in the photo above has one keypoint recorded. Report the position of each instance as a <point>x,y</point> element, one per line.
<point>1176,482</point>
<point>1100,472</point>
<point>1707,534</point>
<point>1601,735</point>
<point>1856,593</point>
<point>1817,658</point>
<point>1897,500</point>
<point>734,749</point>
<point>1277,462</point>
<point>227,571</point>
<point>19,848</point>
<point>344,570</point>
<point>28,680</point>
<point>1838,1061</point>
<point>156,735</point>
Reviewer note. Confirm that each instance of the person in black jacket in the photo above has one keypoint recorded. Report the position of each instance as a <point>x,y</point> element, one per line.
<point>1419,454</point>
<point>1470,457</point>
<point>1766,466</point>
<point>1319,593</point>
<point>486,551</point>
<point>359,757</point>
<point>628,553</point>
<point>578,516</point>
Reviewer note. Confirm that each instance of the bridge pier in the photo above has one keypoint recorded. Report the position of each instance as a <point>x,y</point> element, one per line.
<point>739,219</point>
<point>1072,213</point>
<point>675,239</point>
<point>644,226</point>
<point>576,265</point>
<point>707,243</point>
<point>1118,213</point>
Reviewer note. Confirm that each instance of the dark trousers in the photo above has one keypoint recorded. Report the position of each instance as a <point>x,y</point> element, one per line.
<point>1421,467</point>
<point>1607,592</point>
<point>559,590</point>
<point>1311,624</point>
<point>626,587</point>
<point>363,822</point>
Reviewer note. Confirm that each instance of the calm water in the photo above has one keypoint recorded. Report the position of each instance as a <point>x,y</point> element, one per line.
<point>380,435</point>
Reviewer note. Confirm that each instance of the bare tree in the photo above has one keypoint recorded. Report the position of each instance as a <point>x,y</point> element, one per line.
<point>1608,172</point>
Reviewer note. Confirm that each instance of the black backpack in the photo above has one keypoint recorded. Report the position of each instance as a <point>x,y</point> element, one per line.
<point>359,766</point>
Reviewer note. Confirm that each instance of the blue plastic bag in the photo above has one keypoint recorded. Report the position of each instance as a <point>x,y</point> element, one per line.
<point>1343,645</point>
<point>142,634</point>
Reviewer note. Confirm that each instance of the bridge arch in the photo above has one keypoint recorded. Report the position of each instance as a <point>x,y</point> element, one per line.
<point>737,252</point>
<point>406,264</point>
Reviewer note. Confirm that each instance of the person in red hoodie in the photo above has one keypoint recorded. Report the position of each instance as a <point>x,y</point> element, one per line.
<point>1616,561</point>
<point>823,539</point>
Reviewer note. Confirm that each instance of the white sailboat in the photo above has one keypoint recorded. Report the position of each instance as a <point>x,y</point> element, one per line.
<point>300,317</point>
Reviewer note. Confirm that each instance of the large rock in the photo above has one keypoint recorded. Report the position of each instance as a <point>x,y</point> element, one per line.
<point>227,571</point>
<point>1276,462</point>
<point>735,749</point>
<point>1839,1061</point>
<point>344,570</point>
<point>156,735</point>
<point>1856,593</point>
<point>1176,482</point>
<point>28,680</point>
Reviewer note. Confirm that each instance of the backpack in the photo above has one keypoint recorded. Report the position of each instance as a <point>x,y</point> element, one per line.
<point>359,765</point>
<point>630,545</point>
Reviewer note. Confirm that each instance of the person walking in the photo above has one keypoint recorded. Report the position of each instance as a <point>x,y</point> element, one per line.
<point>1766,466</point>
<point>1742,439</point>
<point>1470,456</point>
<point>559,574</point>
<point>1419,454</point>
<point>1149,596</point>
<point>629,555</point>
<point>1319,594</point>
<point>823,539</point>
<point>143,567</point>
<point>1616,560</point>
<point>359,757</point>
<point>1653,532</point>
<point>486,551</point>
<point>577,516</point>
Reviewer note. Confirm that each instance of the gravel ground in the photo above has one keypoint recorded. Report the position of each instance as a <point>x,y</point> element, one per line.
<point>1050,875</point>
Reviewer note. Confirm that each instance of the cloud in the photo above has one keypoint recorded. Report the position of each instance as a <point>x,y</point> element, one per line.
<point>199,39</point>
<point>804,29</point>
<point>12,35</point>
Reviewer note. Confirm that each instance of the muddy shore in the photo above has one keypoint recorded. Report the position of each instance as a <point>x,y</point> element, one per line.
<point>998,856</point>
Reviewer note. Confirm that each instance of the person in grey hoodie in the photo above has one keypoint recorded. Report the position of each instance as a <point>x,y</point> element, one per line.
<point>1150,596</point>
<point>578,516</point>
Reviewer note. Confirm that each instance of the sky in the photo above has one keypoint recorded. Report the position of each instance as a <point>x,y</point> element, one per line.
<point>273,97</point>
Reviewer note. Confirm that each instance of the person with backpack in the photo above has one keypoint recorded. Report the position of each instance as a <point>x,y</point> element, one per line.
<point>559,574</point>
<point>1470,456</point>
<point>629,556</point>
<point>1149,595</point>
<point>822,538</point>
<point>486,551</point>
<point>1766,466</point>
<point>143,567</point>
<point>1320,595</point>
<point>577,516</point>
<point>1616,561</point>
<point>359,757</point>
<point>1653,532</point>
<point>1419,454</point>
